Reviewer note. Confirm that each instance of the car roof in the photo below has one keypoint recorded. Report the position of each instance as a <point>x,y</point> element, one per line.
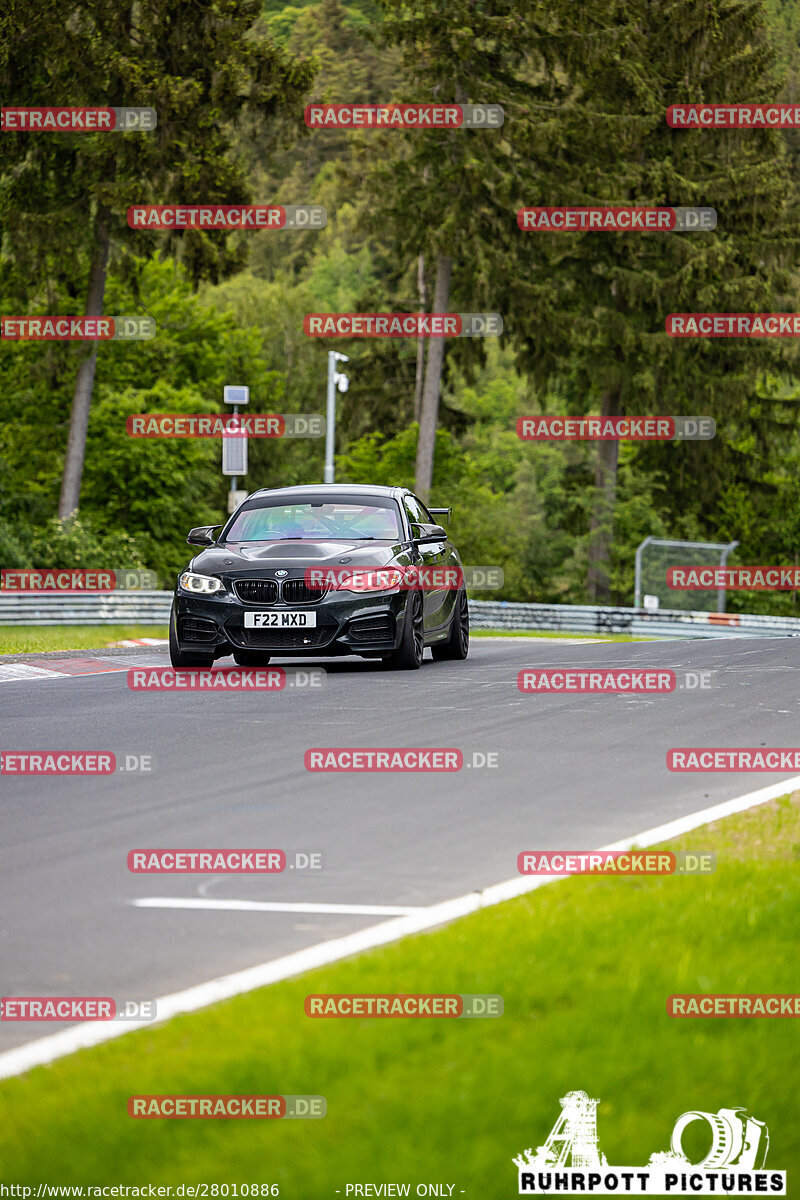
<point>332,490</point>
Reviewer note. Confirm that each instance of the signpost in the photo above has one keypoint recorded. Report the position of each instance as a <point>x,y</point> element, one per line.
<point>234,449</point>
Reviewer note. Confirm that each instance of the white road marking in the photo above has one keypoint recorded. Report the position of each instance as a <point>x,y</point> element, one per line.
<point>138,660</point>
<point>12,672</point>
<point>367,910</point>
<point>140,642</point>
<point>15,672</point>
<point>549,641</point>
<point>92,1033</point>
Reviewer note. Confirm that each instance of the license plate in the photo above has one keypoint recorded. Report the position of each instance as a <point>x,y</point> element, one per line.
<point>280,620</point>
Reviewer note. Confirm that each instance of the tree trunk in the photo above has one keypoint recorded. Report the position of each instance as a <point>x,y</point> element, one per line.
<point>423,307</point>
<point>84,383</point>
<point>601,526</point>
<point>429,413</point>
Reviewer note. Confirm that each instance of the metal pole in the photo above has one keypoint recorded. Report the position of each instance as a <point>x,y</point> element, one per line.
<point>721,592</point>
<point>234,478</point>
<point>637,599</point>
<point>330,430</point>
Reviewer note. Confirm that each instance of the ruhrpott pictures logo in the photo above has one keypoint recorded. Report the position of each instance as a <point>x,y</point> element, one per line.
<point>570,1162</point>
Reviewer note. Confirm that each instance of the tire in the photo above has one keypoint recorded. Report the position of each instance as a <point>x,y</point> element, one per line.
<point>408,655</point>
<point>457,645</point>
<point>251,658</point>
<point>179,658</point>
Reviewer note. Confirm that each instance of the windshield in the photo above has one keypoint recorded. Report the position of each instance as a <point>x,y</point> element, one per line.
<point>336,520</point>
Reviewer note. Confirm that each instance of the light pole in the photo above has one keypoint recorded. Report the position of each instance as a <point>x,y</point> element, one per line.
<point>340,380</point>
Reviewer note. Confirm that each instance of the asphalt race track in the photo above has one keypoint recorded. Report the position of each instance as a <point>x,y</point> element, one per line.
<point>575,772</point>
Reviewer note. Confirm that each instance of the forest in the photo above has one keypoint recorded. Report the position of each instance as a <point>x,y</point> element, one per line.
<point>414,218</point>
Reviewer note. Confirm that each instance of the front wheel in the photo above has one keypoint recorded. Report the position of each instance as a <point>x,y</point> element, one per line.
<point>408,655</point>
<point>179,658</point>
<point>457,645</point>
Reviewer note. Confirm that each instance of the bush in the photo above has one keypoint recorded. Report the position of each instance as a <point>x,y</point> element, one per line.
<point>75,543</point>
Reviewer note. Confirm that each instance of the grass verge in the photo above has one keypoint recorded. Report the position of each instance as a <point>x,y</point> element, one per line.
<point>585,967</point>
<point>37,639</point>
<point>542,633</point>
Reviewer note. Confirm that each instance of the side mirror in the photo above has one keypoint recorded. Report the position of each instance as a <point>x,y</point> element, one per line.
<point>428,533</point>
<point>203,535</point>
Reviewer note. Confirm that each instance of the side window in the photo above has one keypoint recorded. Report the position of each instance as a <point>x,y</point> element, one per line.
<point>417,512</point>
<point>414,511</point>
<point>426,515</point>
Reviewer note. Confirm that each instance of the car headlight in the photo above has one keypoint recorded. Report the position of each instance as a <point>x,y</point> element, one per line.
<point>206,585</point>
<point>381,579</point>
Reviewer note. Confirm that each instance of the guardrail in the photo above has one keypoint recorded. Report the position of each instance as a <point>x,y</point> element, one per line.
<point>109,608</point>
<point>636,622</point>
<point>152,608</point>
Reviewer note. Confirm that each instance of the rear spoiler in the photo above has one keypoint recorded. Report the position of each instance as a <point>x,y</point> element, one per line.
<point>441,512</point>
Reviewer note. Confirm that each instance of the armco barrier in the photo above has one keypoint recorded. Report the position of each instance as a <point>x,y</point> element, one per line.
<point>111,608</point>
<point>590,620</point>
<point>152,608</point>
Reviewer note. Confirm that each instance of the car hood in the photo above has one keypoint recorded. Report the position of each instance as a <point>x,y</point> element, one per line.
<point>248,558</point>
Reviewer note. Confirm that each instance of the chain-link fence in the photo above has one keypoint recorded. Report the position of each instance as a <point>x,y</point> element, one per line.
<point>655,556</point>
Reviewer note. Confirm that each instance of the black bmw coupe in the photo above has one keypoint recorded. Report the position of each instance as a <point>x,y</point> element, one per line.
<point>322,570</point>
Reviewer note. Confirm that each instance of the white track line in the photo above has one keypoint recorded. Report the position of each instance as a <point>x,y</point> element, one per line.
<point>139,642</point>
<point>366,910</point>
<point>14,672</point>
<point>92,1033</point>
<point>566,641</point>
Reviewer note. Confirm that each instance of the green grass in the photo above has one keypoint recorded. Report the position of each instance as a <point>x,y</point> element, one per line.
<point>585,967</point>
<point>595,637</point>
<point>36,639</point>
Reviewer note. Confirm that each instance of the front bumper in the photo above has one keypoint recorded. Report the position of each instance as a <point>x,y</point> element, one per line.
<point>369,626</point>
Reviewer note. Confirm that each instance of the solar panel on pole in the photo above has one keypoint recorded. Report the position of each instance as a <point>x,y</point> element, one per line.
<point>234,455</point>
